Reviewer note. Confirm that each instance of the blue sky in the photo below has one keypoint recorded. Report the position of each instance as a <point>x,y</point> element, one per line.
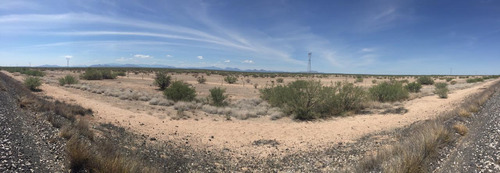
<point>376,36</point>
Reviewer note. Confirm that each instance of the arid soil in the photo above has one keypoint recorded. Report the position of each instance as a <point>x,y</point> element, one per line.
<point>211,143</point>
<point>202,130</point>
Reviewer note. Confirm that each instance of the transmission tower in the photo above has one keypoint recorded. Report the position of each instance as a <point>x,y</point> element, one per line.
<point>309,64</point>
<point>67,62</point>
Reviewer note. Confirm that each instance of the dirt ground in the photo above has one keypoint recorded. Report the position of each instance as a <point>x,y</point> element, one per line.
<point>238,136</point>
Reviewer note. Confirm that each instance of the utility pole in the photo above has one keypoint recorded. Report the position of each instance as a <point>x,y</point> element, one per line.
<point>309,64</point>
<point>67,62</point>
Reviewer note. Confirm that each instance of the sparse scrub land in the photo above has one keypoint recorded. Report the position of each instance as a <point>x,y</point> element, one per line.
<point>389,92</point>
<point>68,80</point>
<point>26,71</point>
<point>413,87</point>
<point>180,91</point>
<point>32,83</point>
<point>231,79</point>
<point>94,74</point>
<point>474,80</point>
<point>425,80</point>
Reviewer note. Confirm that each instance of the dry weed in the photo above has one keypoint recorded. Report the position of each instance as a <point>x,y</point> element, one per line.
<point>461,129</point>
<point>464,113</point>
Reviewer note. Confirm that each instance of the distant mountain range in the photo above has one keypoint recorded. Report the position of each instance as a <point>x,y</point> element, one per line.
<point>166,66</point>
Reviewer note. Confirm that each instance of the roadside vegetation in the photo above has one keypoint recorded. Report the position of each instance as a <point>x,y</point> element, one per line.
<point>33,83</point>
<point>85,152</point>
<point>389,92</point>
<point>420,147</point>
<point>231,79</point>
<point>68,80</point>
<point>425,80</point>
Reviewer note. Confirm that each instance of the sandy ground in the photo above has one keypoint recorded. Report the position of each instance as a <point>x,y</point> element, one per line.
<point>238,135</point>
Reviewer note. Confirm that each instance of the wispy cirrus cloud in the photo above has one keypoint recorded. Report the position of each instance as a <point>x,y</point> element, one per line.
<point>142,56</point>
<point>199,57</point>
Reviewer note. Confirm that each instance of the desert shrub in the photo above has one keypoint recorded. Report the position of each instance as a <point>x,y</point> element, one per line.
<point>201,80</point>
<point>449,79</point>
<point>425,80</point>
<point>33,73</point>
<point>453,82</point>
<point>32,83</point>
<point>91,74</point>
<point>180,91</point>
<point>374,81</point>
<point>474,80</point>
<point>108,74</point>
<point>388,92</point>
<point>68,79</point>
<point>343,97</point>
<point>217,96</point>
<point>280,80</point>
<point>309,99</point>
<point>231,79</point>
<point>413,87</point>
<point>120,73</point>
<point>359,79</point>
<point>162,80</point>
<point>441,89</point>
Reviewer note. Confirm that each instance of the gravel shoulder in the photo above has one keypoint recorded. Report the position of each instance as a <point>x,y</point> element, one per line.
<point>28,143</point>
<point>479,151</point>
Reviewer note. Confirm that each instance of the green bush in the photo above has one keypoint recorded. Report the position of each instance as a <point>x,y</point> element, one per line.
<point>121,73</point>
<point>162,80</point>
<point>413,87</point>
<point>425,80</point>
<point>449,79</point>
<point>33,83</point>
<point>474,80</point>
<point>217,96</point>
<point>280,80</point>
<point>231,79</point>
<point>441,89</point>
<point>309,99</point>
<point>453,82</point>
<point>94,74</point>
<point>388,92</point>
<point>374,81</point>
<point>180,91</point>
<point>68,79</point>
<point>201,80</point>
<point>108,74</point>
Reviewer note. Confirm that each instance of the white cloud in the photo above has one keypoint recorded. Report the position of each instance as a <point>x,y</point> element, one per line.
<point>68,56</point>
<point>367,50</point>
<point>227,61</point>
<point>169,56</point>
<point>199,57</point>
<point>248,61</point>
<point>142,56</point>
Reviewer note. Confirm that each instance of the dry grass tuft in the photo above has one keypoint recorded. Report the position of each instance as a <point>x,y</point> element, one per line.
<point>461,129</point>
<point>464,113</point>
<point>78,154</point>
<point>473,108</point>
<point>413,153</point>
